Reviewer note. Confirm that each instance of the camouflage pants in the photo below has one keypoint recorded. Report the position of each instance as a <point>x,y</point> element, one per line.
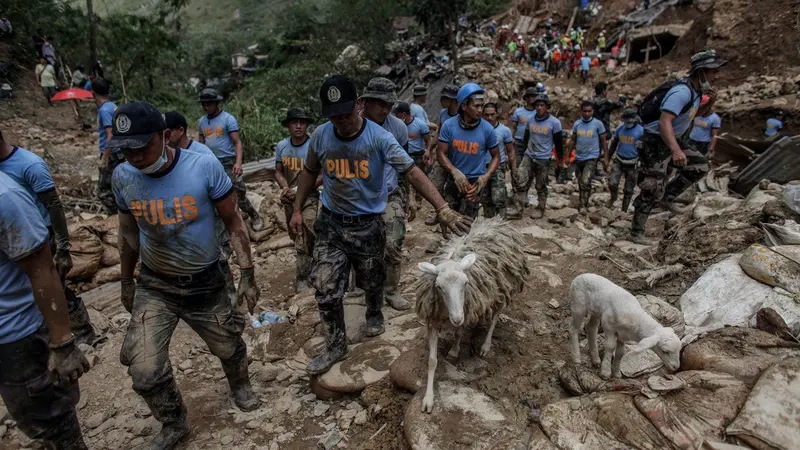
<point>495,202</point>
<point>585,172</point>
<point>104,192</point>
<point>395,219</point>
<point>303,242</point>
<point>437,176</point>
<point>618,170</point>
<point>343,243</point>
<point>238,186</point>
<point>519,149</point>
<point>458,201</point>
<point>536,172</point>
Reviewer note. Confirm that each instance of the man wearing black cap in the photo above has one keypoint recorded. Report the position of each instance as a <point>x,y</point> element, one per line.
<point>177,137</point>
<point>519,122</point>
<point>352,153</point>
<point>220,131</point>
<point>167,199</point>
<point>667,119</point>
<point>110,157</point>
<point>289,156</point>
<point>420,93</point>
<point>378,100</point>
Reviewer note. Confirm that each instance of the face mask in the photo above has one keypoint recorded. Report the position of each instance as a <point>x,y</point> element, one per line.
<point>705,85</point>
<point>630,124</point>
<point>587,120</point>
<point>160,162</point>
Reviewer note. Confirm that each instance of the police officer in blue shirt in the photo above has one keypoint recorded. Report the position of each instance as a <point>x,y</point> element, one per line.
<point>589,142</point>
<point>352,153</point>
<point>625,159</point>
<point>110,157</point>
<point>167,200</point>
<point>39,361</point>
<point>31,172</point>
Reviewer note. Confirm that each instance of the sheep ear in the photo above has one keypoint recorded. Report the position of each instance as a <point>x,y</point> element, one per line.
<point>467,262</point>
<point>428,268</point>
<point>645,344</point>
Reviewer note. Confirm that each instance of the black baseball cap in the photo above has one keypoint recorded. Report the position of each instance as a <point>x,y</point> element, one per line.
<point>174,119</point>
<point>338,95</point>
<point>134,125</point>
<point>402,107</point>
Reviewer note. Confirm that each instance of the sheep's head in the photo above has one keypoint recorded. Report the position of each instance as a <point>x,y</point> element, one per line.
<point>451,281</point>
<point>666,344</point>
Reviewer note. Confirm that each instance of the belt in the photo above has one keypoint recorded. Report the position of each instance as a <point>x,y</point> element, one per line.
<point>204,275</point>
<point>363,218</point>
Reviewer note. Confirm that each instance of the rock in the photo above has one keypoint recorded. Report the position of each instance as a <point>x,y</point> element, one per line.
<point>263,372</point>
<point>284,375</point>
<point>99,321</point>
<point>621,225</point>
<point>553,303</point>
<point>295,408</point>
<point>121,320</point>
<point>226,440</point>
<point>462,417</point>
<point>142,427</point>
<point>321,408</point>
<point>322,393</point>
<point>3,431</point>
<point>559,215</point>
<point>409,371</point>
<point>366,364</point>
<point>630,247</point>
<point>97,419</point>
<point>186,364</point>
<point>361,417</point>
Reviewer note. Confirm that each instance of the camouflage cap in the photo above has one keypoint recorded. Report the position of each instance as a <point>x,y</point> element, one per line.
<point>450,91</point>
<point>629,113</point>
<point>209,95</point>
<point>542,98</point>
<point>382,89</point>
<point>530,92</point>
<point>707,59</point>
<point>420,90</point>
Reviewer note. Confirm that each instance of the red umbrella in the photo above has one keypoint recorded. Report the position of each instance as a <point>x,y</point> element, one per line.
<point>73,94</point>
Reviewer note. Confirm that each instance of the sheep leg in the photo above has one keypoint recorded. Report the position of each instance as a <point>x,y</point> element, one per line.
<point>455,350</point>
<point>574,334</point>
<point>615,363</point>
<point>591,334</point>
<point>433,341</point>
<point>487,343</point>
<point>610,346</point>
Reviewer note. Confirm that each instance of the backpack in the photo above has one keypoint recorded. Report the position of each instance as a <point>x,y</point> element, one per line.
<point>650,110</point>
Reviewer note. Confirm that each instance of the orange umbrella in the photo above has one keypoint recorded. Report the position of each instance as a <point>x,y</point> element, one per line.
<point>73,94</point>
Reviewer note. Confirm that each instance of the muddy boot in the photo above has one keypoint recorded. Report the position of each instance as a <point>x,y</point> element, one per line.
<point>673,190</point>
<point>168,408</point>
<point>79,323</point>
<point>584,202</point>
<point>239,381</point>
<point>614,194</point>
<point>626,203</point>
<point>374,315</point>
<point>538,213</point>
<point>335,340</point>
<point>392,291</point>
<point>69,436</point>
<point>637,228</point>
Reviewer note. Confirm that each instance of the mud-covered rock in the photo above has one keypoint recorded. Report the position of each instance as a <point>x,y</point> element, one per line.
<point>364,365</point>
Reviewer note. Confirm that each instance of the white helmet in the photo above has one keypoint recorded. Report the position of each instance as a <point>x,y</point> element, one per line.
<point>539,86</point>
<point>516,30</point>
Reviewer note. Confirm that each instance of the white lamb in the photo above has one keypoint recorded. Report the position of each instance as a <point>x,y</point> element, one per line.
<point>624,322</point>
<point>477,275</point>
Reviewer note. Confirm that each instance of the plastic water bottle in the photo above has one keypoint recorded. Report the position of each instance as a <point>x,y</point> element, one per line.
<point>268,318</point>
<point>254,322</point>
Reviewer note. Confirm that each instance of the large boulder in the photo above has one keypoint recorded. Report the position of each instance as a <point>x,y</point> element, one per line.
<point>366,364</point>
<point>410,370</point>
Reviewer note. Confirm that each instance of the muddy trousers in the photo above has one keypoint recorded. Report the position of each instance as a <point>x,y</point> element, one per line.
<point>238,186</point>
<point>303,242</point>
<point>344,243</point>
<point>419,161</point>
<point>656,160</point>
<point>519,149</point>
<point>585,172</point>
<point>79,322</point>
<point>459,202</point>
<point>495,202</point>
<point>42,410</point>
<point>532,172</point>
<point>160,301</point>
<point>104,193</point>
<point>394,217</point>
<point>627,168</point>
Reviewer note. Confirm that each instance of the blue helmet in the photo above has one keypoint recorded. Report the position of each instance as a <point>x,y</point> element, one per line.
<point>466,91</point>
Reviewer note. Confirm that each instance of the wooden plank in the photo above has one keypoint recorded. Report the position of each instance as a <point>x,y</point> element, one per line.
<point>572,19</point>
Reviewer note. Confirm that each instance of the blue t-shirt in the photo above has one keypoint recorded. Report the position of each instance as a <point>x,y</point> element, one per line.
<point>541,143</point>
<point>291,158</point>
<point>444,116</point>
<point>353,169</point>
<point>399,130</point>
<point>627,139</point>
<point>773,126</point>
<point>587,138</point>
<point>198,147</point>
<point>586,63</point>
<point>676,99</point>
<point>22,232</point>
<point>417,130</point>
<point>175,211</point>
<point>703,127</point>
<point>419,112</point>
<point>468,149</point>
<point>32,173</point>
<point>520,118</point>
<point>105,116</point>
<point>503,135</point>
<point>217,132</point>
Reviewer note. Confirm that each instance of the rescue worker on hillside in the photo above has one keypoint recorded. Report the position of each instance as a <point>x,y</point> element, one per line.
<point>436,173</point>
<point>542,134</point>
<point>376,104</point>
<point>352,153</point>
<point>110,157</point>
<point>219,130</point>
<point>589,142</point>
<point>178,137</point>
<point>468,152</point>
<point>519,122</point>
<point>41,362</point>
<point>420,93</point>
<point>774,124</point>
<point>289,156</point>
<point>419,144</point>
<point>495,202</point>
<point>705,130</point>
<point>624,158</point>
<point>32,174</point>
<point>663,143</point>
<point>167,199</point>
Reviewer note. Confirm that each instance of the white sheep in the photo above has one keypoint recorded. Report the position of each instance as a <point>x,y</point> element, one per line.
<point>477,275</point>
<point>624,322</point>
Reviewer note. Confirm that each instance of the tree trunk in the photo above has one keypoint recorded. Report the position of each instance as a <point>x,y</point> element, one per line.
<point>92,37</point>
